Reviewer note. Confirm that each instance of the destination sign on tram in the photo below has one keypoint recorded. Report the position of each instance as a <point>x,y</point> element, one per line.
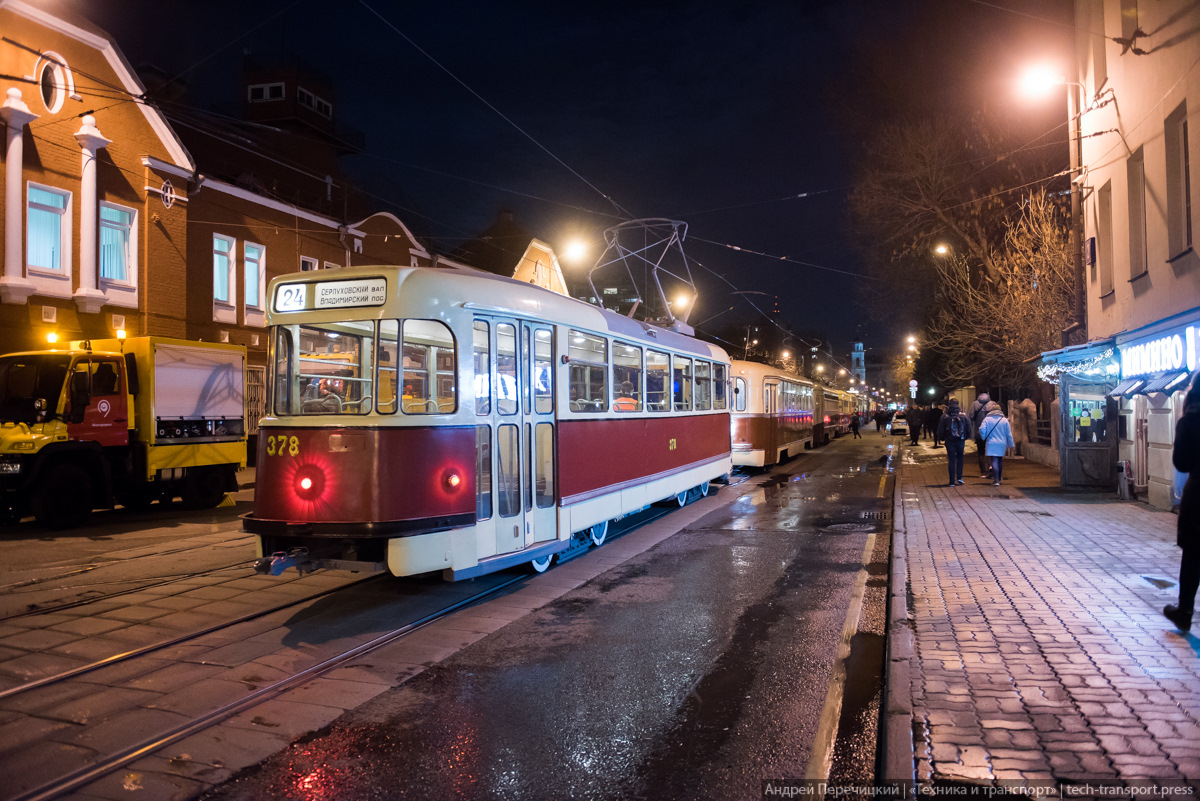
<point>331,295</point>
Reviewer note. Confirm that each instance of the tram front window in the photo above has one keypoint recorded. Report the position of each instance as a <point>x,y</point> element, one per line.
<point>333,368</point>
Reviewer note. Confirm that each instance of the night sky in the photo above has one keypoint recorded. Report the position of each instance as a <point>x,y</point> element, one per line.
<point>743,119</point>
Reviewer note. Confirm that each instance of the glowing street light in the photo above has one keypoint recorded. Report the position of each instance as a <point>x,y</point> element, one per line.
<point>575,251</point>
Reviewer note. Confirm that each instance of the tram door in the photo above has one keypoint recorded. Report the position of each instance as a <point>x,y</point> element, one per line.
<point>516,444</point>
<point>771,409</point>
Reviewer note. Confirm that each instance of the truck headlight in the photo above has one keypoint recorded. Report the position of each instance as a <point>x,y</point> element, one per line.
<point>9,465</point>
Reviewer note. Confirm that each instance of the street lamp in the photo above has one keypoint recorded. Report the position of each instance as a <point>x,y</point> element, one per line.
<point>1038,82</point>
<point>575,251</point>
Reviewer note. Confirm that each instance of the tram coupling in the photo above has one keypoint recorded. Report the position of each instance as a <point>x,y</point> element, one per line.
<point>280,561</point>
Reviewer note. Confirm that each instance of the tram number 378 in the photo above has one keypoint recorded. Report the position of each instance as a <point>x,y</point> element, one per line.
<point>283,444</point>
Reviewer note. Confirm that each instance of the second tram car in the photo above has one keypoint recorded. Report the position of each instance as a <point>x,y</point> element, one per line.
<point>773,414</point>
<point>452,420</point>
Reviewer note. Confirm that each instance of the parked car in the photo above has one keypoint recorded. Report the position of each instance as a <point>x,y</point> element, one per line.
<point>899,424</point>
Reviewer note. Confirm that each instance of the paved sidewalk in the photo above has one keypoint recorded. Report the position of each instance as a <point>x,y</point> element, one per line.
<point>1027,646</point>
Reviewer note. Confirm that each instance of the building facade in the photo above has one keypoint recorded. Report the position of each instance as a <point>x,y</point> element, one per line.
<point>1138,90</point>
<point>120,217</point>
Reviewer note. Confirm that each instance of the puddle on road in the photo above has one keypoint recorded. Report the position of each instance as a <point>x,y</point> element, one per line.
<point>854,750</point>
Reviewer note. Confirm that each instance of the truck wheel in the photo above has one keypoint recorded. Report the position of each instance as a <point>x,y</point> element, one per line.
<point>203,488</point>
<point>64,499</point>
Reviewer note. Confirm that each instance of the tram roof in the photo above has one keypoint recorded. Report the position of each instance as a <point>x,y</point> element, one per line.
<point>481,291</point>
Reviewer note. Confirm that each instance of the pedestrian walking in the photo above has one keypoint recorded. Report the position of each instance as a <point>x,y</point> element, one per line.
<point>954,429</point>
<point>914,416</point>
<point>1186,458</point>
<point>997,438</point>
<point>854,425</point>
<point>933,420</point>
<point>977,414</point>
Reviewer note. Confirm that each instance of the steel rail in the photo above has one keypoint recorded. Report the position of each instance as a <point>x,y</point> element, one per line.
<point>83,776</point>
<point>194,635</point>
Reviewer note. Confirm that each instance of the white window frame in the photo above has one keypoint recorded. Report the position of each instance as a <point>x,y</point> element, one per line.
<point>1135,171</point>
<point>331,266</point>
<point>266,87</point>
<point>1179,184</point>
<point>309,264</point>
<point>121,292</point>
<point>48,281</point>
<point>314,102</point>
<point>255,314</point>
<point>225,311</point>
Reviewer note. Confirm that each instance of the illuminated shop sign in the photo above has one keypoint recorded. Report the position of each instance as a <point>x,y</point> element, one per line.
<point>1175,351</point>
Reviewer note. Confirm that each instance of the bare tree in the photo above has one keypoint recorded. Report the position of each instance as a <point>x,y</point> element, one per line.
<point>993,328</point>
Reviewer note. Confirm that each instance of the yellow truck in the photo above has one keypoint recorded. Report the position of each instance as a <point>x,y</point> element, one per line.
<point>126,421</point>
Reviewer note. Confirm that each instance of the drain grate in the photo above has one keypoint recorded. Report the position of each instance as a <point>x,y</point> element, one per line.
<point>876,515</point>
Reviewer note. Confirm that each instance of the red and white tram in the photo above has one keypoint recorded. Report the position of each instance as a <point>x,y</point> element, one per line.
<point>836,407</point>
<point>773,414</point>
<point>447,419</point>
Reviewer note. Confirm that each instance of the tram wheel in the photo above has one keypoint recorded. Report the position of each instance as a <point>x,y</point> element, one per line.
<point>703,488</point>
<point>541,565</point>
<point>682,498</point>
<point>598,533</point>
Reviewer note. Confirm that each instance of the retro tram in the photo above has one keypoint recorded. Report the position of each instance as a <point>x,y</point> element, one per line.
<point>777,414</point>
<point>445,419</point>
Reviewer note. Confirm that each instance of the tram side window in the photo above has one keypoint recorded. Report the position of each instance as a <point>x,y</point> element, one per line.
<point>506,369</point>
<point>483,472</point>
<point>658,381</point>
<point>543,371</point>
<point>282,386</point>
<point>627,377</point>
<point>589,372</point>
<point>482,360</point>
<point>429,368</point>
<point>739,394</point>
<point>720,387</point>
<point>703,386</point>
<point>682,385</point>
<point>387,370</point>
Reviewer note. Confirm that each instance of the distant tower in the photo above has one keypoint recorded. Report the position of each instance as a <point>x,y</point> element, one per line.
<point>858,365</point>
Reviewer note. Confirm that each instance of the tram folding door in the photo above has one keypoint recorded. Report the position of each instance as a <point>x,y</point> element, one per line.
<point>515,408</point>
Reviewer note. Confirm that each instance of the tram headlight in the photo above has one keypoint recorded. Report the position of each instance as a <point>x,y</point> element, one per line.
<point>453,480</point>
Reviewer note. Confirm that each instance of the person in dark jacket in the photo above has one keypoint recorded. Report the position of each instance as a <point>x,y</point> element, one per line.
<point>1186,458</point>
<point>977,414</point>
<point>933,416</point>
<point>954,429</point>
<point>914,416</point>
<point>854,426</point>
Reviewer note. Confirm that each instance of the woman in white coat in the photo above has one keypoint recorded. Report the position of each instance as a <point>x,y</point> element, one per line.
<point>997,438</point>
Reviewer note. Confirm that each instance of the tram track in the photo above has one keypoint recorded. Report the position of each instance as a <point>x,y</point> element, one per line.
<point>173,641</point>
<point>346,611</point>
<point>97,564</point>
<point>124,754</point>
<point>91,599</point>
